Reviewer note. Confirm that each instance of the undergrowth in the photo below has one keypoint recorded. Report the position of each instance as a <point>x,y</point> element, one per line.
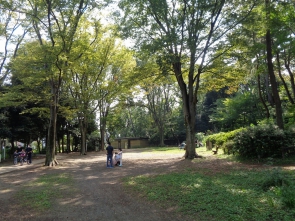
<point>240,195</point>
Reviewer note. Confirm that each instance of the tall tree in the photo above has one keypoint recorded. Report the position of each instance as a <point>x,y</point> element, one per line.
<point>13,29</point>
<point>157,92</point>
<point>270,66</point>
<point>56,22</point>
<point>183,34</point>
<point>95,76</point>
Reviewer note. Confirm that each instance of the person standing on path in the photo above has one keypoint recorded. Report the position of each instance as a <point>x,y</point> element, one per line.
<point>120,153</point>
<point>29,151</point>
<point>110,151</point>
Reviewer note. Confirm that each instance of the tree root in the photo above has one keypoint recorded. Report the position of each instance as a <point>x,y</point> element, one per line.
<point>52,163</point>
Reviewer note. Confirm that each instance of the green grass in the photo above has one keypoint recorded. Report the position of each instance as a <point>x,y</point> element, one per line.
<point>167,150</point>
<point>41,193</point>
<point>201,150</point>
<point>240,195</point>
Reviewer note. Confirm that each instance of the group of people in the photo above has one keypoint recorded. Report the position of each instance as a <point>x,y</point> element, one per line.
<point>24,152</point>
<point>111,159</point>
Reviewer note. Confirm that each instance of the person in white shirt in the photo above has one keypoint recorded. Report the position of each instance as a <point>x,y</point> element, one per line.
<point>119,156</point>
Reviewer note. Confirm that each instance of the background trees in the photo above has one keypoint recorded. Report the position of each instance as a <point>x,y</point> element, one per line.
<point>194,66</point>
<point>186,35</point>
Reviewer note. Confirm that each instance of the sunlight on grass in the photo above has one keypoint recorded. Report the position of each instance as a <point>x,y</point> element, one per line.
<point>238,195</point>
<point>170,150</point>
<point>42,192</point>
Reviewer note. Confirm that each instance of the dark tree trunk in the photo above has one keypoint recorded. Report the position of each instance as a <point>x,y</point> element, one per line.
<point>68,139</point>
<point>261,98</point>
<point>272,77</point>
<point>274,87</point>
<point>189,110</point>
<point>287,65</point>
<point>283,80</point>
<point>83,131</point>
<point>51,141</point>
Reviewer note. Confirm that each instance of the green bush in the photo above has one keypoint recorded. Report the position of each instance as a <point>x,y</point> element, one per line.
<point>262,141</point>
<point>221,139</point>
<point>228,147</point>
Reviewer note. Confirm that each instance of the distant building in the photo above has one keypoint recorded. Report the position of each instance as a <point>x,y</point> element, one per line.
<point>131,142</point>
<point>17,143</point>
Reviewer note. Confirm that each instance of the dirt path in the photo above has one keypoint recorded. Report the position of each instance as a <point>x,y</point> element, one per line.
<point>100,194</point>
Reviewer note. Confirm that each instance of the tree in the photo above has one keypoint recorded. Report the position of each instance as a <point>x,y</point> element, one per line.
<point>95,78</point>
<point>157,93</point>
<point>12,33</point>
<point>270,66</point>
<point>56,22</point>
<point>184,34</point>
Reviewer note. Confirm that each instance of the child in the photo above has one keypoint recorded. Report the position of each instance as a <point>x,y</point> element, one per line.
<point>119,155</point>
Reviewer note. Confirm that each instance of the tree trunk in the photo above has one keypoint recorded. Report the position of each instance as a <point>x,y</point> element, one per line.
<point>68,139</point>
<point>261,98</point>
<point>62,144</point>
<point>272,77</point>
<point>274,87</point>
<point>161,134</point>
<point>287,65</point>
<point>102,137</point>
<point>38,144</point>
<point>83,131</point>
<point>283,80</point>
<point>189,110</point>
<point>51,141</point>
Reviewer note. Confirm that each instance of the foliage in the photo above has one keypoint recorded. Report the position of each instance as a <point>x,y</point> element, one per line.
<point>262,141</point>
<point>185,41</point>
<point>200,136</point>
<point>220,139</point>
<point>203,196</point>
<point>278,184</point>
<point>238,111</point>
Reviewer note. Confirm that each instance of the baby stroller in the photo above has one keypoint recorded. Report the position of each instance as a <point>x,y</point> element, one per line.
<point>20,157</point>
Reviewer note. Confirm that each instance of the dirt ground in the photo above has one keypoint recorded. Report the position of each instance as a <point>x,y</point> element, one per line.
<point>101,194</point>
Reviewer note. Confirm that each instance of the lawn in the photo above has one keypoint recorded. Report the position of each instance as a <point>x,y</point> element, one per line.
<point>264,193</point>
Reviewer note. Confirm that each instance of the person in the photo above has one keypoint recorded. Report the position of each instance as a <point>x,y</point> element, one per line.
<point>19,149</point>
<point>22,156</point>
<point>15,157</point>
<point>110,151</point>
<point>29,152</point>
<point>115,159</point>
<point>119,156</point>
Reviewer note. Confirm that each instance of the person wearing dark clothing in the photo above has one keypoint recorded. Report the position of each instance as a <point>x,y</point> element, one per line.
<point>110,151</point>
<point>29,152</point>
<point>19,149</point>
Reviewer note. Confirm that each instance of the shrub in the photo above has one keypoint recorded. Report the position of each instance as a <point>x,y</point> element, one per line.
<point>228,147</point>
<point>221,139</point>
<point>262,141</point>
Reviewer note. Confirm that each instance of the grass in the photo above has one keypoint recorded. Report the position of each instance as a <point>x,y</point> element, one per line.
<point>201,150</point>
<point>237,195</point>
<point>41,193</point>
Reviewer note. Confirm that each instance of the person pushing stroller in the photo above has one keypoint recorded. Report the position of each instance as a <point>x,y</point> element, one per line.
<point>29,152</point>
